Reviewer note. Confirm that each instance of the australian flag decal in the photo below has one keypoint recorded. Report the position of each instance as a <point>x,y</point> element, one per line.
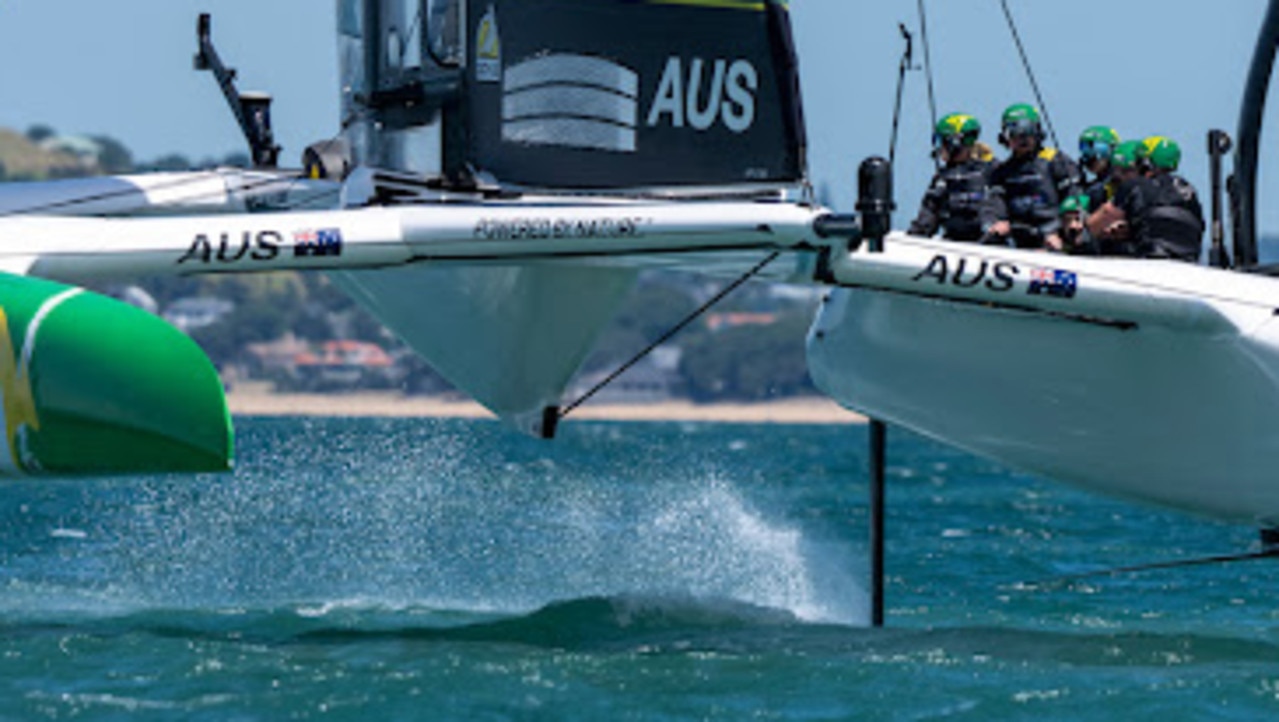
<point>1045,282</point>
<point>321,242</point>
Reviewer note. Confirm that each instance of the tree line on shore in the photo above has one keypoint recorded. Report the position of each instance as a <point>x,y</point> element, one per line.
<point>42,153</point>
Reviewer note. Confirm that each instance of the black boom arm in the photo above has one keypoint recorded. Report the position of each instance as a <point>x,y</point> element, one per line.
<point>252,110</point>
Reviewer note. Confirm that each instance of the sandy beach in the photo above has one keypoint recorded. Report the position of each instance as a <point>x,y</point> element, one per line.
<point>257,399</point>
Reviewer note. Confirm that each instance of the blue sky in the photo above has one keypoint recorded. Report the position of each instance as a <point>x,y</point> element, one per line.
<point>123,68</point>
<point>1171,67</point>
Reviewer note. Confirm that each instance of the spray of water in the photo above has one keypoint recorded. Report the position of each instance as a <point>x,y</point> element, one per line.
<point>407,517</point>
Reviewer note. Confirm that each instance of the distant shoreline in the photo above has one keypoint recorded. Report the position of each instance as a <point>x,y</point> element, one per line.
<point>259,400</point>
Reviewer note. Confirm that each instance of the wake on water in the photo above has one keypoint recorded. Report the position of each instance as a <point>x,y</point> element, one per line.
<point>338,532</point>
<point>446,529</point>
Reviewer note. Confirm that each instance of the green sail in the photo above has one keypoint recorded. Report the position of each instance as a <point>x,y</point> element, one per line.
<point>94,386</point>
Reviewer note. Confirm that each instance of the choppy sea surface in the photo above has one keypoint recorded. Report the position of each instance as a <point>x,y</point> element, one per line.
<point>453,570</point>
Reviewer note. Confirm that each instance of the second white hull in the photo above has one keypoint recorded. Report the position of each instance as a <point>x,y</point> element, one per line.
<point>1171,400</point>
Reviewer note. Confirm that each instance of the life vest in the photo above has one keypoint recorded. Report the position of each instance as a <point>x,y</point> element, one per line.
<point>1174,224</point>
<point>957,202</point>
<point>1033,186</point>
<point>965,193</point>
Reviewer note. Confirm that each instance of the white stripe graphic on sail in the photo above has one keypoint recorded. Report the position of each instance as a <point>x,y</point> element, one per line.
<point>574,69</point>
<point>571,101</point>
<point>570,133</point>
<point>562,100</point>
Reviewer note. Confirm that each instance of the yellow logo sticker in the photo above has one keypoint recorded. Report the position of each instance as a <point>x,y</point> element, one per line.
<point>488,49</point>
<point>19,401</point>
<point>957,122</point>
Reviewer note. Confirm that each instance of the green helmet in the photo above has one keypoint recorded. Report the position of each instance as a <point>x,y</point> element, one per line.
<point>1163,153</point>
<point>1097,142</point>
<point>1021,119</point>
<point>1128,155</point>
<point>1076,204</point>
<point>957,129</point>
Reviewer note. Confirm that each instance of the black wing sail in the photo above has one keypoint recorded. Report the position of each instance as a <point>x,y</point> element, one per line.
<point>607,94</point>
<point>575,94</point>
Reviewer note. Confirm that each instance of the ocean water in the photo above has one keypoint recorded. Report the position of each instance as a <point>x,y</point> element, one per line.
<point>452,570</point>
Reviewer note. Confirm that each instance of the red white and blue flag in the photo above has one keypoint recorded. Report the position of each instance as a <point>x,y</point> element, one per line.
<point>1049,282</point>
<point>317,242</point>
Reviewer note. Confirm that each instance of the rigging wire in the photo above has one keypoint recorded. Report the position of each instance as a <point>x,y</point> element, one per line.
<point>1030,73</point>
<point>928,72</point>
<point>673,330</point>
<point>928,63</point>
<point>1160,566</point>
<point>908,58</point>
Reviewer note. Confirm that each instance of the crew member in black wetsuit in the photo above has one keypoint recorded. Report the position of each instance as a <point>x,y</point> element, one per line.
<point>1175,219</point>
<point>1096,144</point>
<point>958,200</point>
<point>1028,187</point>
<point>1150,217</point>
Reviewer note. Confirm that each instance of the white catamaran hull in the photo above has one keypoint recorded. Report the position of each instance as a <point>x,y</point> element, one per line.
<point>1157,381</point>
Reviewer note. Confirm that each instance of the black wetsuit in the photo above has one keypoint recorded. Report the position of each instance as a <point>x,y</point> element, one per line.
<point>1028,191</point>
<point>1165,217</point>
<point>1099,190</point>
<point>958,202</point>
<point>1083,245</point>
<point>1176,224</point>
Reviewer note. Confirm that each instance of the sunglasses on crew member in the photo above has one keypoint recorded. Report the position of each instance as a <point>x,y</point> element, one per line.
<point>1092,150</point>
<point>1021,129</point>
<point>948,142</point>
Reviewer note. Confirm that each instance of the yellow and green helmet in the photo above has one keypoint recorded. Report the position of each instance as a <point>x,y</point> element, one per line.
<point>1163,153</point>
<point>1128,154</point>
<point>955,130</point>
<point>1097,142</point>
